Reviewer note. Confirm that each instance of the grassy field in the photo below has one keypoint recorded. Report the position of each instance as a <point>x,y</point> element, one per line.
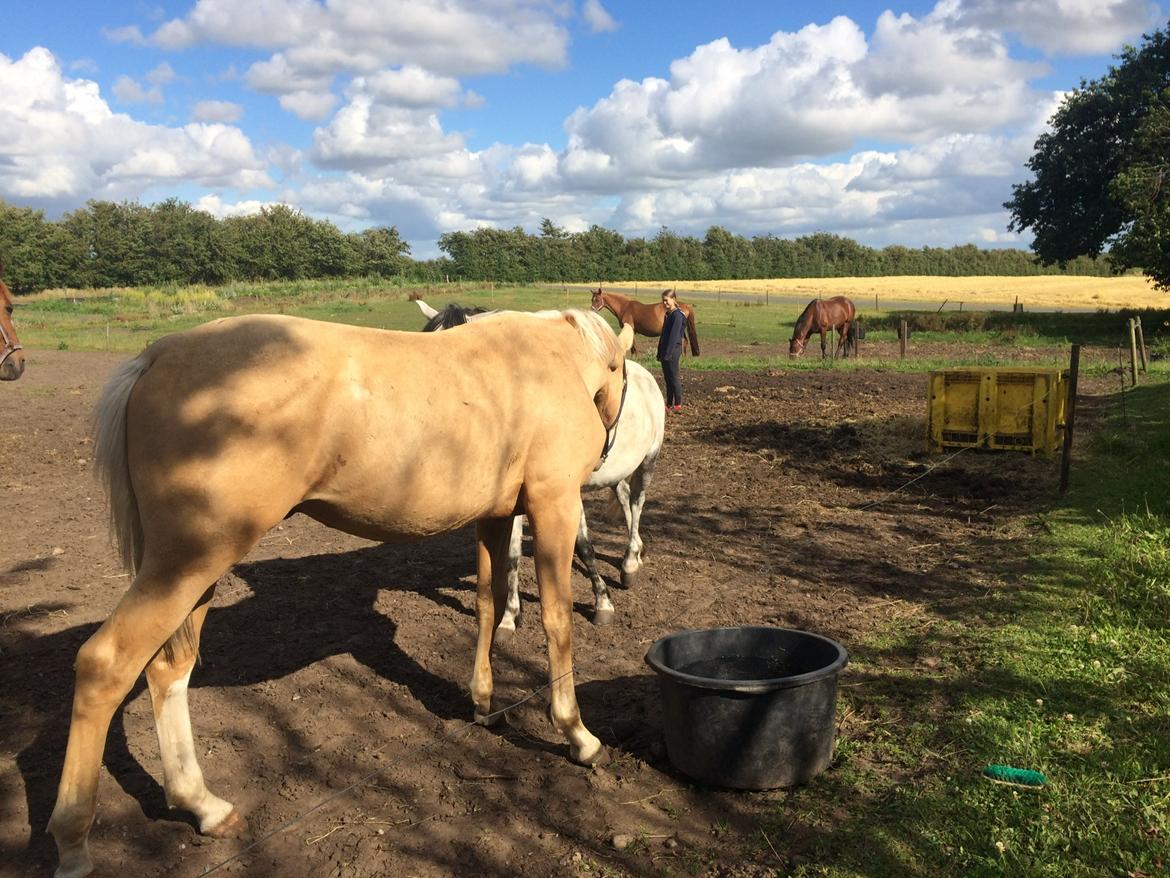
<point>126,320</point>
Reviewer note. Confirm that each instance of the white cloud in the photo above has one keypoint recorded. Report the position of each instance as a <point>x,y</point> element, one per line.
<point>814,92</point>
<point>596,16</point>
<point>1068,27</point>
<point>130,34</point>
<point>264,23</point>
<point>312,106</point>
<point>409,86</point>
<point>130,91</point>
<point>368,135</point>
<point>312,43</point>
<point>62,144</point>
<point>161,75</point>
<point>217,111</point>
<point>217,207</point>
<point>731,137</point>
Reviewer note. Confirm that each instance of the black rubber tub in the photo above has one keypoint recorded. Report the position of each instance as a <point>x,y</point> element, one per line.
<point>751,708</point>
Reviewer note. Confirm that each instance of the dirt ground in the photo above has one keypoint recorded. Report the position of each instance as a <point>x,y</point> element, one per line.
<point>327,657</point>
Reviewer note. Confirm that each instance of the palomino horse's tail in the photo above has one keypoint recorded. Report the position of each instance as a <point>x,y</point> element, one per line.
<point>110,458</point>
<point>692,333</point>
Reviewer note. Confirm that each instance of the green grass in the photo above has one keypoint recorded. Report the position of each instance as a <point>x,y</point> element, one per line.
<point>1064,670</point>
<point>126,320</point>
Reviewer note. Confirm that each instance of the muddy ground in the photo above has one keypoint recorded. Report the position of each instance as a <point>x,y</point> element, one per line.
<point>328,657</point>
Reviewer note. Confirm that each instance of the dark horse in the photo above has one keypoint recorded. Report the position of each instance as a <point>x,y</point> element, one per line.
<point>11,354</point>
<point>823,316</point>
<point>452,315</point>
<point>645,318</point>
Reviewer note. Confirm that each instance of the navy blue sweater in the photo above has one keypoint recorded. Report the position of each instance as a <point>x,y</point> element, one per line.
<point>674,327</point>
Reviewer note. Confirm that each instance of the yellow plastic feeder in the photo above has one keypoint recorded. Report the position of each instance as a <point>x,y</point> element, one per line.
<point>1002,409</point>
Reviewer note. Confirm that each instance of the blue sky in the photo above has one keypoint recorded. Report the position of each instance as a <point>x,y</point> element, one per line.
<point>887,123</point>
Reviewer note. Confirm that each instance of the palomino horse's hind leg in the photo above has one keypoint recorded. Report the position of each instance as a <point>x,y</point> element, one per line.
<point>511,619</point>
<point>493,537</point>
<point>554,524</point>
<point>107,665</point>
<point>167,676</point>
<point>602,605</point>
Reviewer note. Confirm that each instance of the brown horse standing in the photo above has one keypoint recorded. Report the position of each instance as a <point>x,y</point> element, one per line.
<point>11,352</point>
<point>646,319</point>
<point>824,315</point>
<point>212,436</point>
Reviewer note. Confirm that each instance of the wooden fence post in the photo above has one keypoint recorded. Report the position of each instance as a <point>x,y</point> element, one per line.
<point>902,339</point>
<point>1133,357</point>
<point>1070,413</point>
<point>1141,339</point>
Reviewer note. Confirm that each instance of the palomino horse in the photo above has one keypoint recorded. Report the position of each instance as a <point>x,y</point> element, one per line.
<point>645,318</point>
<point>824,315</point>
<point>11,354</point>
<point>212,436</point>
<point>634,443</point>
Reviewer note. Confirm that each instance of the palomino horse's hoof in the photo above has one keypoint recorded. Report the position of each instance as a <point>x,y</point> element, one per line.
<point>78,866</point>
<point>629,578</point>
<point>231,826</point>
<point>602,618</point>
<point>495,718</point>
<point>599,757</point>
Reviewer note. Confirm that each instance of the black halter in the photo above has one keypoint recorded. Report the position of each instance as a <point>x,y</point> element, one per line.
<point>611,433</point>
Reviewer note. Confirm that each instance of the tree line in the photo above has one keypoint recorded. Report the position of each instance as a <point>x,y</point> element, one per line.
<point>108,244</point>
<point>554,255</point>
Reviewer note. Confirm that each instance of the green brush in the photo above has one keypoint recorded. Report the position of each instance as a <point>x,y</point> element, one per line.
<point>1016,777</point>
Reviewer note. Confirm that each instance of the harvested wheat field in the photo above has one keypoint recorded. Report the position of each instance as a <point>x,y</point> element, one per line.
<point>981,291</point>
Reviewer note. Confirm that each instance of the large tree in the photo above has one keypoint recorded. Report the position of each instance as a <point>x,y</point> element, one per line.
<point>1098,172</point>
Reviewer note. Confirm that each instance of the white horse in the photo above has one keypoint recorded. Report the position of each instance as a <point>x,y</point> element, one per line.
<point>632,451</point>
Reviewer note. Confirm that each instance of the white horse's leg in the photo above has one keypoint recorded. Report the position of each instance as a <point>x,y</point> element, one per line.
<point>602,605</point>
<point>167,677</point>
<point>492,538</point>
<point>632,495</point>
<point>511,619</point>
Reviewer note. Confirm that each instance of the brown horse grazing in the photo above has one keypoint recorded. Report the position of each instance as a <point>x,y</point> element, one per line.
<point>212,436</point>
<point>11,352</point>
<point>645,318</point>
<point>824,315</point>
